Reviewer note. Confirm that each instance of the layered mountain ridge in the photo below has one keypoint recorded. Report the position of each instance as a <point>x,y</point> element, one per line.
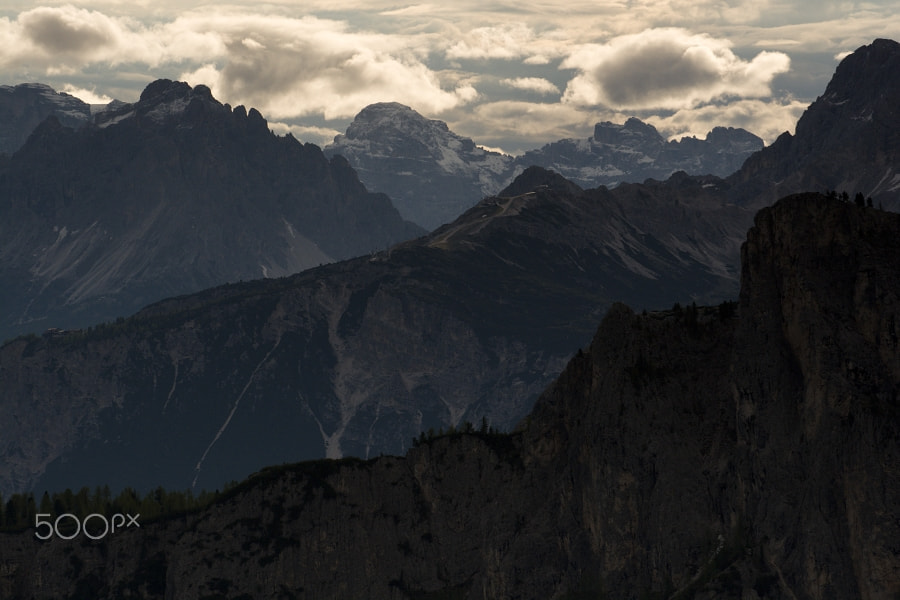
<point>356,358</point>
<point>686,453</point>
<point>170,195</point>
<point>471,321</point>
<point>635,151</point>
<point>433,175</point>
<point>853,121</point>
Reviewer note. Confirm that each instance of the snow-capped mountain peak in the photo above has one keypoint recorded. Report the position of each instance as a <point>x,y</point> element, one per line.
<point>389,143</point>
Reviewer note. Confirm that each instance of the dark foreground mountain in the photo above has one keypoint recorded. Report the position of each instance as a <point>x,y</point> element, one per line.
<point>433,175</point>
<point>357,358</point>
<point>170,195</point>
<point>692,453</point>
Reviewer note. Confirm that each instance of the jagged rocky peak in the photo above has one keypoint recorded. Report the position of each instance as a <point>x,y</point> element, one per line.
<point>871,65</point>
<point>384,117</point>
<point>848,139</point>
<point>166,195</point>
<point>734,139</point>
<point>397,129</point>
<point>431,174</point>
<point>534,178</point>
<point>44,93</point>
<point>632,131</point>
<point>165,90</point>
<point>865,87</point>
<point>163,100</point>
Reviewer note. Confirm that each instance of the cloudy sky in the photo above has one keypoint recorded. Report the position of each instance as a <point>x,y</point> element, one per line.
<point>511,75</point>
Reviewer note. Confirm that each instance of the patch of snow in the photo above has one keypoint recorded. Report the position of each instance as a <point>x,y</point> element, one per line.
<point>600,171</point>
<point>290,228</point>
<point>887,174</point>
<point>451,162</point>
<point>165,110</point>
<point>115,119</point>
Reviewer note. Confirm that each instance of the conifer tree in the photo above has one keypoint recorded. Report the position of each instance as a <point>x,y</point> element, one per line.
<point>46,503</point>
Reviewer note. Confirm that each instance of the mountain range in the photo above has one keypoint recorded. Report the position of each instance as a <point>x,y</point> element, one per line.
<point>170,195</point>
<point>433,175</point>
<point>698,452</point>
<point>744,450</point>
<point>356,358</point>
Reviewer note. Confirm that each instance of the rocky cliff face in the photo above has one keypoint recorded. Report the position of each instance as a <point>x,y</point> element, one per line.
<point>693,453</point>
<point>848,139</point>
<point>170,195</point>
<point>359,357</point>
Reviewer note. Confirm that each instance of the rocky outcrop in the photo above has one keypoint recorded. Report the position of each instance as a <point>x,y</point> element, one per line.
<point>691,453</point>
<point>170,195</point>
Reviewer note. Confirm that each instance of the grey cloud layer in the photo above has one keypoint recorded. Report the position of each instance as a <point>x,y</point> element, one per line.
<point>67,31</point>
<point>310,68</point>
<point>668,69</point>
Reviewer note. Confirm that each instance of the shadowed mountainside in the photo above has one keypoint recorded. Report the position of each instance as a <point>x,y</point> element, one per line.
<point>848,139</point>
<point>684,454</point>
<point>359,357</point>
<point>172,194</point>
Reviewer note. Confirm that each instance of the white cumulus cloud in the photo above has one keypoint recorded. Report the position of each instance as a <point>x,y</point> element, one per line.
<point>767,119</point>
<point>531,84</point>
